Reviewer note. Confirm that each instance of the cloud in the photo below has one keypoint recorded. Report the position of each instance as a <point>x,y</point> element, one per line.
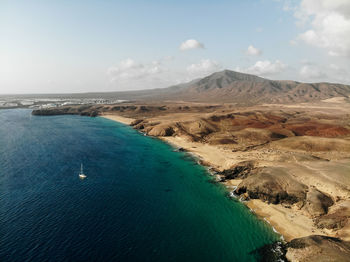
<point>264,68</point>
<point>131,75</point>
<point>128,69</point>
<point>203,68</point>
<point>339,74</point>
<point>328,23</point>
<point>191,44</point>
<point>311,72</point>
<point>253,51</point>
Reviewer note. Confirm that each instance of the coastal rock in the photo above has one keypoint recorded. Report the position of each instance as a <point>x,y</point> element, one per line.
<point>161,130</point>
<point>273,185</point>
<point>89,113</point>
<point>271,252</point>
<point>139,124</point>
<point>317,203</point>
<point>83,110</point>
<point>53,111</point>
<point>313,248</point>
<point>94,114</point>
<point>318,248</point>
<point>136,122</point>
<point>241,170</point>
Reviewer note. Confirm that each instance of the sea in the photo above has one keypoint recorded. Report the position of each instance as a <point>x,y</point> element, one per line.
<point>142,200</point>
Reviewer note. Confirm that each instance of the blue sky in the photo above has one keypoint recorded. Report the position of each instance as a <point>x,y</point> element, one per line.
<point>80,46</point>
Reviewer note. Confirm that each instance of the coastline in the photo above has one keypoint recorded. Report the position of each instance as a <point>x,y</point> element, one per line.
<point>213,157</point>
<point>120,119</point>
<point>298,184</point>
<point>289,223</point>
<point>185,209</point>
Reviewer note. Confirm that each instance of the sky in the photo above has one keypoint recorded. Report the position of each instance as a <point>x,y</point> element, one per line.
<point>69,46</point>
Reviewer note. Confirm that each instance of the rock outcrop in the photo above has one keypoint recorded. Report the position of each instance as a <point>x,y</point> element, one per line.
<point>314,248</point>
<point>318,248</point>
<point>161,130</point>
<point>317,203</point>
<point>273,185</point>
<point>241,170</point>
<point>336,218</point>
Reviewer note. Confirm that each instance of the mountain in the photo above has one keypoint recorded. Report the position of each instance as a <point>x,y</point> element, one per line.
<point>230,86</point>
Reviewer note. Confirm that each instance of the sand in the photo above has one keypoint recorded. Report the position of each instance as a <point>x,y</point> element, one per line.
<point>120,119</point>
<point>288,222</point>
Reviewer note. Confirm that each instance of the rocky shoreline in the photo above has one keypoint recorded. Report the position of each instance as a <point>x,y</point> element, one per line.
<point>280,182</point>
<point>309,248</point>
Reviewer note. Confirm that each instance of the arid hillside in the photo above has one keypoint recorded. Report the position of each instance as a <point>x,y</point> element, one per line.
<point>234,87</point>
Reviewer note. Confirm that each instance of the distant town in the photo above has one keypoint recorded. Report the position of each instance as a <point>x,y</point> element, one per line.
<point>7,102</point>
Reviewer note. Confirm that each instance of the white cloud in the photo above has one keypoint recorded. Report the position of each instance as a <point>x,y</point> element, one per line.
<point>264,68</point>
<point>338,74</point>
<point>203,68</point>
<point>132,75</point>
<point>329,25</point>
<point>253,51</point>
<point>311,73</point>
<point>128,69</point>
<point>190,44</point>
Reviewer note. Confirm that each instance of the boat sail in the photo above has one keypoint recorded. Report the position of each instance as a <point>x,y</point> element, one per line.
<point>81,174</point>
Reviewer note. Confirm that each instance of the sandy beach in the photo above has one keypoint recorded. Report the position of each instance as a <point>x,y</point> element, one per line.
<point>289,222</point>
<point>120,119</point>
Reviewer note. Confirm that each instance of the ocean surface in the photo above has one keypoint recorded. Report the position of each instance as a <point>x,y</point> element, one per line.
<point>141,200</point>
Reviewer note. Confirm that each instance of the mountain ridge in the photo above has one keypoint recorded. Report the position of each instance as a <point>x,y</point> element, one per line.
<point>231,86</point>
<point>226,87</point>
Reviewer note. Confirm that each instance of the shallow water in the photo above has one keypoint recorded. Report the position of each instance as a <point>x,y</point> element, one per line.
<point>141,201</point>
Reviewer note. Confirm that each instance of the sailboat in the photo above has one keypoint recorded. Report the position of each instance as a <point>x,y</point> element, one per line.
<point>81,174</point>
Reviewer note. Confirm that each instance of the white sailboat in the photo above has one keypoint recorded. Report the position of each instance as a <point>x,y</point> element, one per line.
<point>81,174</point>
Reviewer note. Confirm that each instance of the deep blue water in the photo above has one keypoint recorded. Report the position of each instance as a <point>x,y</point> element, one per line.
<point>141,200</point>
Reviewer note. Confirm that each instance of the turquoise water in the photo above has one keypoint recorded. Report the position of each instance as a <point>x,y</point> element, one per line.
<point>141,200</point>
